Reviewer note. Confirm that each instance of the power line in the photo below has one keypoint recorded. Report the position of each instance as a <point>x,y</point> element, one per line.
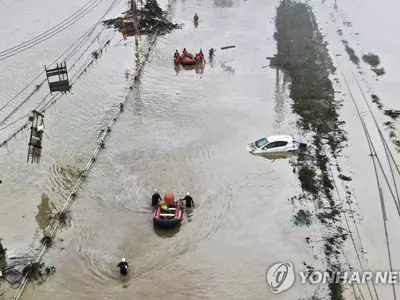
<point>71,197</point>
<point>54,98</point>
<point>78,43</point>
<point>19,49</point>
<point>86,34</point>
<point>374,155</point>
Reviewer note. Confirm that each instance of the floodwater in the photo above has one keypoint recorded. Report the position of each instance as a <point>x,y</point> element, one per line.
<point>180,132</point>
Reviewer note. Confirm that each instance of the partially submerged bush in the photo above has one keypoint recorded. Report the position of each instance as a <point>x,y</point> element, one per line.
<point>379,71</point>
<point>37,270</point>
<point>371,59</point>
<point>350,51</point>
<point>3,251</point>
<point>47,240</point>
<point>33,270</point>
<point>62,216</point>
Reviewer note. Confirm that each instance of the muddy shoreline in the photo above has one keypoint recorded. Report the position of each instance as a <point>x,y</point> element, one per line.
<point>313,101</point>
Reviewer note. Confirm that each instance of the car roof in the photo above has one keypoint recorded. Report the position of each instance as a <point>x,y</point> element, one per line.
<point>274,138</point>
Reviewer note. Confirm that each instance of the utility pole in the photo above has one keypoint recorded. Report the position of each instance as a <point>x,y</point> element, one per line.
<point>135,21</point>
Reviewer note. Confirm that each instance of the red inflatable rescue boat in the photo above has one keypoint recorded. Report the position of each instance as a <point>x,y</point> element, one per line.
<point>168,213</point>
<point>188,61</point>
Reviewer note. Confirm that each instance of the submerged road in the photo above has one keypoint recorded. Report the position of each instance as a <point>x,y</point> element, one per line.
<point>181,132</point>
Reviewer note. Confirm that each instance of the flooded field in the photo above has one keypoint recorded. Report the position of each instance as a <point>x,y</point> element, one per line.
<point>187,131</point>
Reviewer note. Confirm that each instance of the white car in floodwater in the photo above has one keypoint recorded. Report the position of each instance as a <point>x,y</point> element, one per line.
<point>275,144</point>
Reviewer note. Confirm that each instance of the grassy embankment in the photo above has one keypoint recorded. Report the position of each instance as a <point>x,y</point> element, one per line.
<point>304,54</point>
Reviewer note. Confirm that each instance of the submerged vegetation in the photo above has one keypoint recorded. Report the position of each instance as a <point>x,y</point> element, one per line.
<point>371,59</point>
<point>313,101</point>
<point>37,271</point>
<point>302,218</point>
<point>374,61</point>
<point>389,125</point>
<point>350,51</point>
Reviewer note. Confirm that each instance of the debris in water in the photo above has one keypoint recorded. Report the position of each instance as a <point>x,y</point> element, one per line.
<point>345,178</point>
<point>340,32</point>
<point>150,19</point>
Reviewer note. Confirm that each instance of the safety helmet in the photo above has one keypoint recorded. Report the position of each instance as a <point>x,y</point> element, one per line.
<point>188,194</point>
<point>123,259</point>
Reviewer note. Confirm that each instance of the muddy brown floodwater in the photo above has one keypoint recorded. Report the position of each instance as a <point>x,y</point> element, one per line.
<point>185,131</point>
<point>181,132</point>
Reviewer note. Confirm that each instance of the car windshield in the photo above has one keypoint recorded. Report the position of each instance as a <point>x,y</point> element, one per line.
<point>261,142</point>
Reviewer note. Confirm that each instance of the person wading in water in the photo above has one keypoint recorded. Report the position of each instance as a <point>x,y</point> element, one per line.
<point>155,198</point>
<point>189,200</point>
<point>123,267</point>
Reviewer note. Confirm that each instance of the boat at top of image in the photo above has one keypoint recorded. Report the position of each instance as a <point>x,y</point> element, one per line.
<point>188,58</point>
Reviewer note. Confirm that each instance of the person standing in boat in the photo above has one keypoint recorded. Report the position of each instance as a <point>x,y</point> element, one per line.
<point>123,266</point>
<point>176,54</point>
<point>189,200</point>
<point>155,198</point>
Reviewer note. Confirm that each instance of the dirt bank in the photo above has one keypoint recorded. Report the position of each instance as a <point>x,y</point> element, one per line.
<point>313,101</point>
<point>150,18</point>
